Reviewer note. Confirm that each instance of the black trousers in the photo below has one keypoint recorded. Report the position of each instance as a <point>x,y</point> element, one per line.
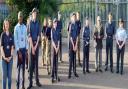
<point>120,57</point>
<point>60,50</point>
<point>72,60</point>
<point>21,69</point>
<point>86,57</point>
<point>33,66</point>
<point>109,52</point>
<point>54,64</point>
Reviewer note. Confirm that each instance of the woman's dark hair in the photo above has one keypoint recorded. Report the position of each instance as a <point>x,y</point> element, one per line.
<point>121,20</point>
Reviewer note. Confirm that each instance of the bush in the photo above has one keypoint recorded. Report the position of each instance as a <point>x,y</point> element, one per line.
<point>12,17</point>
<point>13,20</point>
<point>1,26</point>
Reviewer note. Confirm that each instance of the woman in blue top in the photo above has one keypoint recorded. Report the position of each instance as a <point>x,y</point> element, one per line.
<point>7,45</point>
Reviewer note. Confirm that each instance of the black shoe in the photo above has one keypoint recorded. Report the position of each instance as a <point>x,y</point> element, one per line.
<point>53,81</point>
<point>121,73</point>
<point>61,61</point>
<point>49,73</point>
<point>100,70</point>
<point>44,65</point>
<point>38,84</point>
<point>84,72</point>
<point>80,64</point>
<point>23,88</point>
<point>96,69</point>
<point>58,79</point>
<point>112,71</point>
<point>88,71</point>
<point>117,72</point>
<point>106,69</point>
<point>29,87</point>
<point>69,77</point>
<point>76,75</point>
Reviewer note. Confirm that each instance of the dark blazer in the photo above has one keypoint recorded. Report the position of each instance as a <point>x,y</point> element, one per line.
<point>97,33</point>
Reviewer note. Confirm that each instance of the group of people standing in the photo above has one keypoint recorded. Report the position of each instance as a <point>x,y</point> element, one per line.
<point>109,32</point>
<point>26,38</point>
<point>51,38</point>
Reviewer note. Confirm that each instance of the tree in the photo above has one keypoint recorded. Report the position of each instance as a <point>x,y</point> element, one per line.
<point>46,8</point>
<point>23,5</point>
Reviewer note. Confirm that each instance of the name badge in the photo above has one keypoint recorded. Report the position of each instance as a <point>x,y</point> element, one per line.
<point>10,39</point>
<point>8,47</point>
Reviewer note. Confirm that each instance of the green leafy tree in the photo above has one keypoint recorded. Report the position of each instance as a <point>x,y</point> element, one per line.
<point>23,5</point>
<point>46,8</point>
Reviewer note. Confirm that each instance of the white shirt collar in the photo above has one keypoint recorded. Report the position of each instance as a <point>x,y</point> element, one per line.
<point>19,24</point>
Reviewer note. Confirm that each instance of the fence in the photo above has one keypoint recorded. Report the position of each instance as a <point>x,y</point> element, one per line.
<point>92,8</point>
<point>4,11</point>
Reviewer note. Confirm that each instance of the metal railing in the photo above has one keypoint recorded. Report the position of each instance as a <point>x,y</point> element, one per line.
<point>92,8</point>
<point>4,11</point>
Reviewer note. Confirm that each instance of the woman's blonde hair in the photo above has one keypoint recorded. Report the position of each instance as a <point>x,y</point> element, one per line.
<point>45,22</point>
<point>6,20</point>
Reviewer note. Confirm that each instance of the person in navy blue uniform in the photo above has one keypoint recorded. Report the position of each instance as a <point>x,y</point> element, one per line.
<point>73,46</point>
<point>79,29</point>
<point>34,36</point>
<point>55,48</point>
<point>86,45</point>
<point>7,47</point>
<point>109,31</point>
<point>59,28</point>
